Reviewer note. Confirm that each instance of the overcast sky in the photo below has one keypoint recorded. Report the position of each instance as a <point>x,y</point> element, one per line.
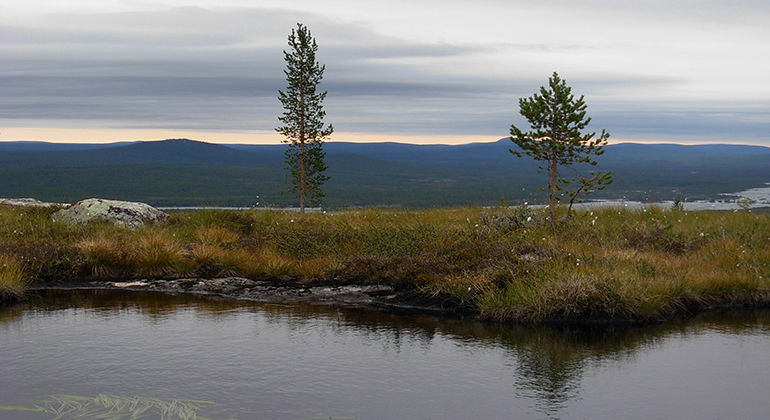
<point>416,71</point>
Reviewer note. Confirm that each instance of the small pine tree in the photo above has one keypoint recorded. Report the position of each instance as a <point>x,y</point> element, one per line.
<point>556,120</point>
<point>303,126</point>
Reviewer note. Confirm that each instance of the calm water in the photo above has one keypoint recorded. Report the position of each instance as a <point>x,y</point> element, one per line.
<point>254,361</point>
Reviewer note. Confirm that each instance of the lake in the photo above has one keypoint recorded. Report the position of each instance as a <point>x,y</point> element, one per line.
<point>79,354</point>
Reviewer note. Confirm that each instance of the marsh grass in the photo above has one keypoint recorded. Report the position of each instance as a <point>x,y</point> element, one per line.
<point>12,278</point>
<point>156,253</point>
<point>217,236</point>
<point>114,407</point>
<point>507,264</point>
<point>106,256</point>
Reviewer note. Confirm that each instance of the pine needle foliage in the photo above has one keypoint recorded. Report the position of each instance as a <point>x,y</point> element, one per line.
<point>557,121</point>
<point>303,126</point>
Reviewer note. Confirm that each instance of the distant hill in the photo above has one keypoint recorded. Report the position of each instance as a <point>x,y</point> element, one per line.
<point>187,172</point>
<point>165,152</point>
<point>43,146</point>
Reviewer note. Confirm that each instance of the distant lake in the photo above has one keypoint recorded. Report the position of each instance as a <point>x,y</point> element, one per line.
<point>182,208</point>
<point>243,360</point>
<point>760,196</point>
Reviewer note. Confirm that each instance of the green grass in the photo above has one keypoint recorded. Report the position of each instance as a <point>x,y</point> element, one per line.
<point>504,264</point>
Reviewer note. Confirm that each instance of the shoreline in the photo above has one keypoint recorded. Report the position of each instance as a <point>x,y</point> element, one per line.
<point>371,297</point>
<point>239,288</point>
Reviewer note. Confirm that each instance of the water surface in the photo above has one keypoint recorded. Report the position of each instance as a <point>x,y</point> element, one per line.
<point>257,361</point>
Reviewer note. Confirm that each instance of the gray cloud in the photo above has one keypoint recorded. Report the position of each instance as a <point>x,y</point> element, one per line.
<point>711,12</point>
<point>191,68</point>
<point>689,123</point>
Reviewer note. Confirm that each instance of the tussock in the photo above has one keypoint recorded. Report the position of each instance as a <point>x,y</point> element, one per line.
<point>12,278</point>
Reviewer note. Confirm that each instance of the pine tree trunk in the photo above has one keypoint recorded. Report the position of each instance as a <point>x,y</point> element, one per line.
<point>553,179</point>
<point>302,180</point>
<point>302,174</point>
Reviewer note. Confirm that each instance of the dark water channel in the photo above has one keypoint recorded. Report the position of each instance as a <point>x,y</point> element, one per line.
<point>82,354</point>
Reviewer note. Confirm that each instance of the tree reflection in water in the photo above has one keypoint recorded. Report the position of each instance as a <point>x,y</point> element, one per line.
<point>547,362</point>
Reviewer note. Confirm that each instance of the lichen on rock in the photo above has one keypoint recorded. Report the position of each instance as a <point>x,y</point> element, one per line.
<point>128,214</point>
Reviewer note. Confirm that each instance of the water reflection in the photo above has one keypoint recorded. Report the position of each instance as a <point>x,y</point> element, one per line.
<point>547,365</point>
<point>551,360</point>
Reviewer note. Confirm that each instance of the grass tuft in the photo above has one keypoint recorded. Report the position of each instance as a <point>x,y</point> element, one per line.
<point>108,257</point>
<point>12,278</point>
<point>217,236</point>
<point>157,254</point>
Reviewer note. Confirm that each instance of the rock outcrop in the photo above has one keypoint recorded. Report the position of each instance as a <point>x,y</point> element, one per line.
<point>273,291</point>
<point>123,213</point>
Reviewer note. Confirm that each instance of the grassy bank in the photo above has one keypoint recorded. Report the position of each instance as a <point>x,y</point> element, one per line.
<point>506,264</point>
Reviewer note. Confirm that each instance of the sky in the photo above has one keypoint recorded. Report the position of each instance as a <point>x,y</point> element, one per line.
<point>412,71</point>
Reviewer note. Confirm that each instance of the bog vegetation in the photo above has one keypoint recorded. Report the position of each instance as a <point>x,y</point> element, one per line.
<point>504,264</point>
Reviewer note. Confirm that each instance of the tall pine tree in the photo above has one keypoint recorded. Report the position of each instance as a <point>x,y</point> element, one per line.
<point>303,126</point>
<point>557,120</point>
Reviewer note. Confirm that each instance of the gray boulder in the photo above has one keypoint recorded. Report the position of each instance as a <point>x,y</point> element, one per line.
<point>122,213</point>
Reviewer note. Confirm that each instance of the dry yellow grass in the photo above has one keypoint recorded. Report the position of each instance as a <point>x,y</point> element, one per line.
<point>12,278</point>
<point>216,235</point>
<point>227,262</point>
<point>156,253</point>
<point>310,268</point>
<point>272,263</point>
<point>108,257</point>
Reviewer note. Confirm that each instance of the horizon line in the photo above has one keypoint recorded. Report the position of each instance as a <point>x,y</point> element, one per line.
<point>263,137</point>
